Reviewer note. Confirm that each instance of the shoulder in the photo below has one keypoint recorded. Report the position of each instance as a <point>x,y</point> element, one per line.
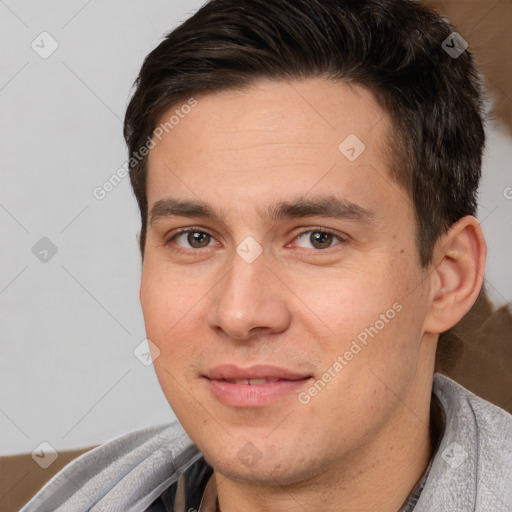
<point>469,415</point>
<point>130,471</point>
<point>472,469</point>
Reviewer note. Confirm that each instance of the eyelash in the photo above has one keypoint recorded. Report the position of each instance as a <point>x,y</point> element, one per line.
<point>343,239</point>
<point>324,231</point>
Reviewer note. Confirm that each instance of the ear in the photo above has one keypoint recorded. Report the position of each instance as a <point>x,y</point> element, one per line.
<point>456,275</point>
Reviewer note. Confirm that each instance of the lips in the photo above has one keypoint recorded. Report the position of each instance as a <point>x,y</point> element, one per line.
<point>254,386</point>
<point>256,373</point>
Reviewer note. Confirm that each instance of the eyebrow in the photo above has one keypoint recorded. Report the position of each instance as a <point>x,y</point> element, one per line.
<point>323,206</point>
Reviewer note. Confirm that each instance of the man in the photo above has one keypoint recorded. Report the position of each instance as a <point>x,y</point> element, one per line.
<point>307,174</point>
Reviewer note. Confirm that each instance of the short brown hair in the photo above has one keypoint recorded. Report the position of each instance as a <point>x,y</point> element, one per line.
<point>395,48</point>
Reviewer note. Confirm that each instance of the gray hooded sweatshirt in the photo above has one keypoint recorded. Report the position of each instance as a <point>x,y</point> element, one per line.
<point>159,468</point>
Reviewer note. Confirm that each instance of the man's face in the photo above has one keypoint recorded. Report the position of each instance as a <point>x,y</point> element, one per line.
<point>268,289</point>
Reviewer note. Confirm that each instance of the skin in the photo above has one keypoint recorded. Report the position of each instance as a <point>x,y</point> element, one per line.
<point>363,441</point>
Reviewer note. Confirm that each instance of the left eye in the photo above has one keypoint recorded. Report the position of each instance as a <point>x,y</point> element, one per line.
<point>195,239</point>
<point>318,239</point>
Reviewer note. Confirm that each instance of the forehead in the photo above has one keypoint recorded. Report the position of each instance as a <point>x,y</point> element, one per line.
<point>271,139</point>
<point>315,111</point>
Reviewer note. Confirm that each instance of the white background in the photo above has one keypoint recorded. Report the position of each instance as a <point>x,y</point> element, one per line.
<point>69,326</point>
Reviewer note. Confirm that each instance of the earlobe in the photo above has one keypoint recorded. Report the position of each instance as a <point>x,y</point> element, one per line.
<point>457,274</point>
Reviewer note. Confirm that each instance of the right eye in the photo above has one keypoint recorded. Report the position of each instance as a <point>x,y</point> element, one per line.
<point>195,239</point>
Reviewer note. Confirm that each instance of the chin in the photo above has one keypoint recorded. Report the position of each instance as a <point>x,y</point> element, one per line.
<point>256,467</point>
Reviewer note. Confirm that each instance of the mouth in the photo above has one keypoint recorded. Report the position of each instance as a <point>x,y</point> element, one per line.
<point>255,373</point>
<point>253,382</point>
<point>256,386</point>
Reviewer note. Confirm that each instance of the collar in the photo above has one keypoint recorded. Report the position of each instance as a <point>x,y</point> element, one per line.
<point>209,502</point>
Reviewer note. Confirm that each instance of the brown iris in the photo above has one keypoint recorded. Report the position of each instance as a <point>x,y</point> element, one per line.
<point>320,240</point>
<point>197,239</point>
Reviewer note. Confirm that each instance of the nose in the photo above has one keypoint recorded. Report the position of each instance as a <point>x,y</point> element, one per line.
<point>249,301</point>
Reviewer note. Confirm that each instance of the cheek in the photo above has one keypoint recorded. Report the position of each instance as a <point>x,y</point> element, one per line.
<point>173,310</point>
<point>381,310</point>
<point>348,301</point>
<point>166,300</point>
